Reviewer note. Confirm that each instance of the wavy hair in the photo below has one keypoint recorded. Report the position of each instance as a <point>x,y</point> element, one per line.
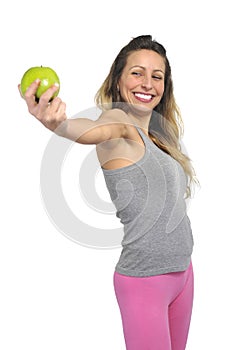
<point>166,124</point>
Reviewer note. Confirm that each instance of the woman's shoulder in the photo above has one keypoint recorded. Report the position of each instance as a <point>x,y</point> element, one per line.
<point>114,115</point>
<point>115,119</point>
<point>117,115</point>
<point>118,119</point>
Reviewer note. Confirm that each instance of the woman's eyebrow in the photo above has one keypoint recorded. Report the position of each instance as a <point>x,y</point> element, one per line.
<point>155,70</point>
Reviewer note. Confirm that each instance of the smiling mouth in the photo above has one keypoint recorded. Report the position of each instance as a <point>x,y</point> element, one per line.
<point>143,97</point>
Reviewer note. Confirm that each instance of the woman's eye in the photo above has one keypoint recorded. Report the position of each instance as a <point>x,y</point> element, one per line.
<point>157,77</point>
<point>136,73</point>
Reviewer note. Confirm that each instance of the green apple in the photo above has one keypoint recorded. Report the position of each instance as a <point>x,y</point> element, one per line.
<point>47,76</point>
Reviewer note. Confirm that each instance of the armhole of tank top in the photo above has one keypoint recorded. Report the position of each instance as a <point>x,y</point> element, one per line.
<point>138,163</point>
<point>142,136</point>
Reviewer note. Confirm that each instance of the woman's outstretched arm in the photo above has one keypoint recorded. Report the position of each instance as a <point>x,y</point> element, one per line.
<point>111,124</point>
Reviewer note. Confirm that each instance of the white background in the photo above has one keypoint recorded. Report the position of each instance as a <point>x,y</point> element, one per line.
<point>57,294</point>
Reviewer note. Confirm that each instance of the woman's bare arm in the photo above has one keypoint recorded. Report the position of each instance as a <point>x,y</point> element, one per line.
<point>111,124</point>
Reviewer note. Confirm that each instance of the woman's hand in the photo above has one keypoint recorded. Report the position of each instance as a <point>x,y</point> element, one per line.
<point>50,114</point>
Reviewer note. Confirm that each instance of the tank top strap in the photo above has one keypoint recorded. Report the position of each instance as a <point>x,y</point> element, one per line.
<point>145,139</point>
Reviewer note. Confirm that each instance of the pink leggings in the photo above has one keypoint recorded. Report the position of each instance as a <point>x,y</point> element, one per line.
<point>156,311</point>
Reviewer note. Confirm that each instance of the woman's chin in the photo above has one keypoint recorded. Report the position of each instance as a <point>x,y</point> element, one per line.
<point>140,109</point>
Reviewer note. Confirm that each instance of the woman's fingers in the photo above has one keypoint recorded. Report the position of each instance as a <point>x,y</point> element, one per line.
<point>50,112</point>
<point>30,95</point>
<point>32,102</point>
<point>62,109</point>
<point>55,104</point>
<point>46,97</point>
<point>57,108</point>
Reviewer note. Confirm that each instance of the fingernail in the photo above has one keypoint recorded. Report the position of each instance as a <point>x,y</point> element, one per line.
<point>37,81</point>
<point>56,84</point>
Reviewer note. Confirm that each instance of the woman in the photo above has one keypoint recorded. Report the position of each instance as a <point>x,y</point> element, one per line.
<point>137,139</point>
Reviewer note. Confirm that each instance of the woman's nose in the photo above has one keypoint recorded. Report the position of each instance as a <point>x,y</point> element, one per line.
<point>147,83</point>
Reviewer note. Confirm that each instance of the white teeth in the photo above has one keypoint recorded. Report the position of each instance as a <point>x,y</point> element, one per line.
<point>145,97</point>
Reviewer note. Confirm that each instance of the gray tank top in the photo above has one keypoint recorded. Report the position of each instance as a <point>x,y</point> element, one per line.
<point>149,200</point>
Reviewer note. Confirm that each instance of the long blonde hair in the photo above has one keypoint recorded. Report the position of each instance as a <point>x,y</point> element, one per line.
<point>166,124</point>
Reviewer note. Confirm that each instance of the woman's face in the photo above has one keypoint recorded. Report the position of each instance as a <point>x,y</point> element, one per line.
<point>142,79</point>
